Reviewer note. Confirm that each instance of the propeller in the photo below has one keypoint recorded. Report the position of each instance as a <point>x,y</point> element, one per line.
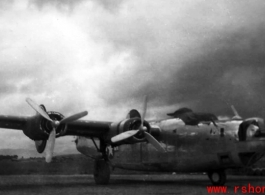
<point>154,142</point>
<point>124,135</point>
<point>51,140</point>
<point>142,129</point>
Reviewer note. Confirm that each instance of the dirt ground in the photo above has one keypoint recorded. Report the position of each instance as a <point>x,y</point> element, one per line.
<point>119,184</point>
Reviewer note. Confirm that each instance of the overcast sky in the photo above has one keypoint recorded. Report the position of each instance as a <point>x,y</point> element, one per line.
<point>75,55</point>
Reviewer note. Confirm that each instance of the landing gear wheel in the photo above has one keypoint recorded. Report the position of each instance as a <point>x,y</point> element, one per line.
<point>101,172</point>
<point>217,177</point>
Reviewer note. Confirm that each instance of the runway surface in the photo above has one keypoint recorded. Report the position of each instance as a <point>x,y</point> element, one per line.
<point>119,184</point>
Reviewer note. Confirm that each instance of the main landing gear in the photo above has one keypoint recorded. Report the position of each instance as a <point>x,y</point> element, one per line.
<point>101,171</point>
<point>217,177</point>
<point>102,167</point>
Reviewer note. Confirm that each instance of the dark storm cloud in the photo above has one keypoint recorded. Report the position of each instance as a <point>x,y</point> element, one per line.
<point>226,68</point>
<point>231,70</point>
<point>200,54</point>
<point>105,56</point>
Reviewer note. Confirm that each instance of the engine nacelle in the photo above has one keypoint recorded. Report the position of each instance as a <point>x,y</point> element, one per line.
<point>127,125</point>
<point>33,128</point>
<point>39,128</point>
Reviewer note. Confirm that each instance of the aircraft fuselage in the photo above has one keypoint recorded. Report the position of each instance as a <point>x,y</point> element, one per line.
<point>199,148</point>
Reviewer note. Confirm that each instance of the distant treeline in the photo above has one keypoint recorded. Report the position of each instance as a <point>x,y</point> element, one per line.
<point>72,164</point>
<point>15,157</point>
<point>61,165</point>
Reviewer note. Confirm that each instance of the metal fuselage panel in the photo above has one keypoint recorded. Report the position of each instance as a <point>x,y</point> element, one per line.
<point>189,148</point>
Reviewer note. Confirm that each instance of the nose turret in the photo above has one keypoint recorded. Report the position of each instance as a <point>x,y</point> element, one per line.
<point>251,128</point>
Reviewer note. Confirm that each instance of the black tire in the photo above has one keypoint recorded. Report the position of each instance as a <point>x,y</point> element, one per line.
<point>257,172</point>
<point>250,172</point>
<point>263,172</point>
<point>101,172</point>
<point>217,177</point>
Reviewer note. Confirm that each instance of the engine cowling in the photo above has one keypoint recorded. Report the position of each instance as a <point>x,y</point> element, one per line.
<point>132,130</point>
<point>40,145</point>
<point>39,128</point>
<point>127,125</point>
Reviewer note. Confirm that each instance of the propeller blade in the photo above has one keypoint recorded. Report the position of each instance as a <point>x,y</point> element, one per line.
<point>124,135</point>
<point>73,117</point>
<point>144,109</point>
<point>50,146</point>
<point>154,142</point>
<point>51,140</point>
<point>236,115</point>
<point>37,108</point>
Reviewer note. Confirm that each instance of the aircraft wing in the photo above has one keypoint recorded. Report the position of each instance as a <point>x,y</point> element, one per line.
<point>13,122</point>
<point>46,126</point>
<point>34,125</point>
<point>88,128</point>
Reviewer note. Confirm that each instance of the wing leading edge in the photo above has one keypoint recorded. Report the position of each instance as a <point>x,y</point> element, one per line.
<point>13,122</point>
<point>32,125</point>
